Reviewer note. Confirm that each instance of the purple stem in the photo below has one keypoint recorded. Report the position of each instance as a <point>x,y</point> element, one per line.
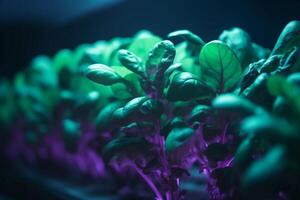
<point>148,181</point>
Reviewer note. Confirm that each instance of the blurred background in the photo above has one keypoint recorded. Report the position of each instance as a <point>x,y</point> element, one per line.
<point>31,27</point>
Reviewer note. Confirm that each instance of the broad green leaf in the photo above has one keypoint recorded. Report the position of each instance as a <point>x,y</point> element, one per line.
<point>180,108</point>
<point>264,127</point>
<point>295,79</point>
<point>102,74</point>
<point>63,59</point>
<point>179,135</point>
<point>185,86</point>
<point>281,107</point>
<point>139,109</point>
<point>123,144</point>
<point>187,35</point>
<point>190,65</point>
<point>41,73</point>
<point>289,38</point>
<point>78,56</point>
<point>131,108</point>
<point>131,61</point>
<point>220,67</point>
<point>173,68</point>
<point>240,42</point>
<point>160,58</point>
<point>189,61</point>
<point>250,74</point>
<point>258,93</point>
<point>151,107</point>
<point>94,54</point>
<point>279,86</point>
<point>121,90</point>
<point>85,103</point>
<point>270,65</point>
<point>236,105</point>
<point>288,89</point>
<point>181,52</point>
<point>115,45</point>
<point>142,43</point>
<point>138,128</point>
<point>200,113</point>
<point>105,115</point>
<point>129,87</point>
<point>243,155</point>
<point>268,171</point>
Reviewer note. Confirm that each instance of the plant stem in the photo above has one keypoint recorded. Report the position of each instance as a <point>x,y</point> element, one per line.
<point>149,182</point>
<point>168,195</point>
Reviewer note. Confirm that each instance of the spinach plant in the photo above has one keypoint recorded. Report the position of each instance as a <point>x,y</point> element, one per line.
<point>156,111</point>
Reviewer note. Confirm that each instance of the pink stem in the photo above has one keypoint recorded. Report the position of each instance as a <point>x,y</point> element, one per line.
<point>149,182</point>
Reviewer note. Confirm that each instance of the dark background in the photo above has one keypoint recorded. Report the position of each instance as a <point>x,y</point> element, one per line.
<point>20,40</point>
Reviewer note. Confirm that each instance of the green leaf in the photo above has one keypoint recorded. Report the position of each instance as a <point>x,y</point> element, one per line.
<point>180,108</point>
<point>130,109</point>
<point>102,74</point>
<point>185,86</point>
<point>289,38</point>
<point>264,127</point>
<point>179,135</point>
<point>142,43</point>
<point>105,115</point>
<point>220,67</point>
<point>41,73</point>
<point>114,46</point>
<point>7,104</point>
<point>258,93</point>
<point>276,85</point>
<point>160,58</point>
<point>270,65</point>
<point>188,36</point>
<point>95,53</point>
<point>62,59</point>
<point>138,129</point>
<point>279,86</point>
<point>240,42</point>
<point>200,113</point>
<point>268,171</point>
<point>129,87</point>
<point>71,133</point>
<point>85,103</point>
<point>188,60</point>
<point>131,62</point>
<point>123,144</point>
<point>138,109</point>
<point>295,79</point>
<point>231,103</point>
<point>78,56</point>
<point>288,89</point>
<point>243,155</point>
<point>151,107</point>
<point>173,68</point>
